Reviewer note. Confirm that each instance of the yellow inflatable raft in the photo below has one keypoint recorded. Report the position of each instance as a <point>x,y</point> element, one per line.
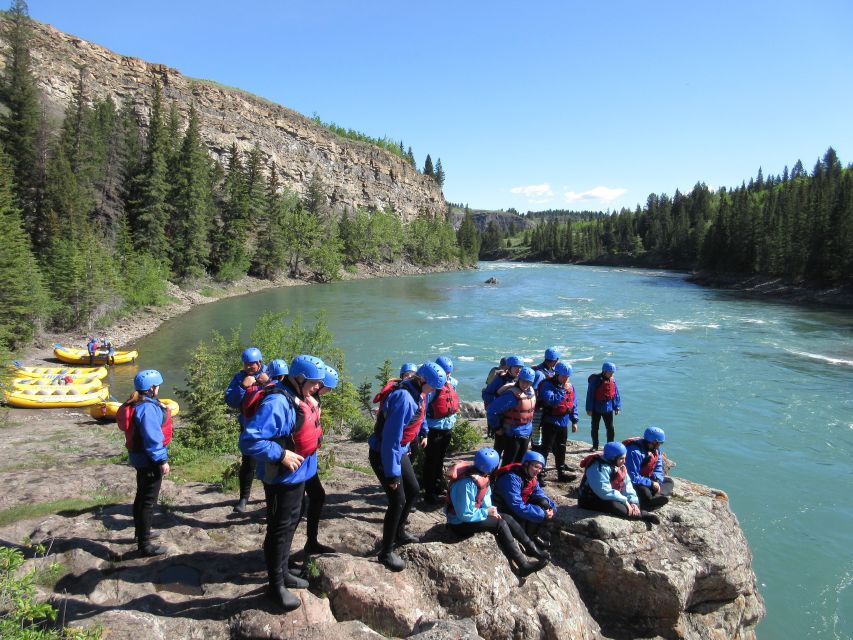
<point>54,397</point>
<point>73,355</point>
<point>80,385</point>
<point>20,371</point>
<point>107,410</point>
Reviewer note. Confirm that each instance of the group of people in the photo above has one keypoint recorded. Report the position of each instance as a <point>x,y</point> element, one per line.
<point>500,491</point>
<point>96,347</point>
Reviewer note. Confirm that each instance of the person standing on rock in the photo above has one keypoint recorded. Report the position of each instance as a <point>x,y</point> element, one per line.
<point>283,436</point>
<point>253,375</point>
<point>509,375</point>
<point>557,401</point>
<point>606,486</point>
<point>470,511</point>
<point>517,493</point>
<point>315,495</point>
<point>397,424</point>
<point>511,415</point>
<point>442,406</point>
<point>603,401</point>
<point>552,357</point>
<point>147,426</point>
<point>644,461</point>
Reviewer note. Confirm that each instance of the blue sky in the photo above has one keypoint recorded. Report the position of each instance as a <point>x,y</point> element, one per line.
<point>581,105</point>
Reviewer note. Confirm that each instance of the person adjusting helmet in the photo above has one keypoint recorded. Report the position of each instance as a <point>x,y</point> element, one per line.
<point>144,380</point>
<point>603,402</point>
<point>645,464</point>
<point>277,368</point>
<point>252,354</point>
<point>432,374</point>
<point>654,434</point>
<point>408,367</point>
<point>445,363</point>
<point>487,460</point>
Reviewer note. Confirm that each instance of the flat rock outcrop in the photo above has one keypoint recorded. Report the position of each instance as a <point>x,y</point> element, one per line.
<point>354,174</point>
<point>689,577</point>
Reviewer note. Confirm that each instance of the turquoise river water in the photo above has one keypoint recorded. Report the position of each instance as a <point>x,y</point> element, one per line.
<point>756,397</point>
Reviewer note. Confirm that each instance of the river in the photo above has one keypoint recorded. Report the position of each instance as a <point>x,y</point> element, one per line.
<point>756,397</point>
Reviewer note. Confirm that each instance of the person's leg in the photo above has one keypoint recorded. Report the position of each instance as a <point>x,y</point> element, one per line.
<point>510,450</point>
<point>608,423</point>
<point>549,432</point>
<point>667,486</point>
<point>437,442</point>
<point>291,501</point>
<point>279,499</point>
<point>500,443</point>
<point>391,521</point>
<point>522,448</point>
<point>412,491</point>
<point>246,475</point>
<point>148,481</point>
<point>596,421</point>
<point>511,530</point>
<point>316,498</point>
<point>593,502</point>
<point>442,446</point>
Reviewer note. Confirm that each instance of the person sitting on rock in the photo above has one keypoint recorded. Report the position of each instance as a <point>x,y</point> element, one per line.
<point>606,486</point>
<point>511,416</point>
<point>603,401</point>
<point>557,401</point>
<point>644,462</point>
<point>470,510</point>
<point>442,407</point>
<point>397,424</point>
<point>517,493</point>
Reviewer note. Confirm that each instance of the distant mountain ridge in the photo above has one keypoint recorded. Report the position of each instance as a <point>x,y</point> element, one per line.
<point>354,174</point>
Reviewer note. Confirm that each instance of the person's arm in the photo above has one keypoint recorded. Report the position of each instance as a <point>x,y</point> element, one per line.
<point>617,400</point>
<point>399,409</point>
<point>463,494</point>
<point>634,462</point>
<point>149,418</point>
<point>509,487</point>
<point>275,418</point>
<point>599,481</point>
<point>590,396</point>
<point>630,492</point>
<point>659,474</point>
<point>234,392</point>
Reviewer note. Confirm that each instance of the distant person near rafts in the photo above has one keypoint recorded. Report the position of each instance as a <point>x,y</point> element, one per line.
<point>442,407</point>
<point>511,415</point>
<point>644,461</point>
<point>603,401</point>
<point>92,350</point>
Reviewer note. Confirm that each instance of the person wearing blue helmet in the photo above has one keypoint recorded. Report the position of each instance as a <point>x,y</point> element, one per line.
<point>442,407</point>
<point>398,422</point>
<point>644,461</point>
<point>283,436</point>
<point>518,493</point>
<point>606,486</point>
<point>513,365</point>
<point>407,370</point>
<point>252,376</point>
<point>510,416</point>
<point>469,510</point>
<point>552,357</point>
<point>557,401</point>
<point>603,401</point>
<point>147,425</point>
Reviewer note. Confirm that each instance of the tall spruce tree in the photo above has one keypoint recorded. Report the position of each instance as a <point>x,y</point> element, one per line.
<point>439,173</point>
<point>229,260</point>
<point>428,168</point>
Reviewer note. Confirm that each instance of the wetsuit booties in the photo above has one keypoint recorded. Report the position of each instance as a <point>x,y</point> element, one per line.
<point>279,594</point>
<point>519,563</point>
<point>392,561</point>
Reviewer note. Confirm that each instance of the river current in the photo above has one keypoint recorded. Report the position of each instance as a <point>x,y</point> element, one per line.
<point>756,397</point>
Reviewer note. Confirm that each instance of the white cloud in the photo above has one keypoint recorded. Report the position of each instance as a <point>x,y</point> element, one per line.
<point>605,194</point>
<point>537,191</point>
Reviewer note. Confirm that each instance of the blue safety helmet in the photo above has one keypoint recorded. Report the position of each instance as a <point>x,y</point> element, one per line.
<point>527,373</point>
<point>276,368</point>
<point>608,366</point>
<point>144,380</point>
<point>331,379</point>
<point>533,456</point>
<point>487,460</point>
<point>310,367</point>
<point>252,354</point>
<point>408,366</point>
<point>551,353</point>
<point>654,434</point>
<point>514,361</point>
<point>613,450</point>
<point>563,369</point>
<point>432,374</point>
<point>445,363</point>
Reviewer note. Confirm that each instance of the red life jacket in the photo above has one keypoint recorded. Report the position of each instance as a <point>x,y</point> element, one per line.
<point>649,461</point>
<point>126,423</point>
<point>606,389</point>
<point>617,476</point>
<point>307,433</point>
<point>529,483</point>
<point>566,404</point>
<point>521,413</point>
<point>456,473</point>
<point>388,388</point>
<point>252,399</point>
<point>410,431</point>
<point>445,403</point>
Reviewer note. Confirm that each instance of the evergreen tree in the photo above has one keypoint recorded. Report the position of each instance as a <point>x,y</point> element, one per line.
<point>428,168</point>
<point>411,157</point>
<point>229,259</point>
<point>468,239</point>
<point>439,173</point>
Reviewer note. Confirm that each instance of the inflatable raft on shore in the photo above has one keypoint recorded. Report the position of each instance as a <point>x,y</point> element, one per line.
<point>73,355</point>
<point>54,397</point>
<point>107,410</point>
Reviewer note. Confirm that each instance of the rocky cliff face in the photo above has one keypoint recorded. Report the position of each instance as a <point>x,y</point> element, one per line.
<point>354,174</point>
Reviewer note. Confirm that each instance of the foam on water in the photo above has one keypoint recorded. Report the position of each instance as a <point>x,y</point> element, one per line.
<point>821,358</point>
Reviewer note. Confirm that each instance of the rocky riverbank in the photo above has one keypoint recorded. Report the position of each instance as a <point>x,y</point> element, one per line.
<point>689,577</point>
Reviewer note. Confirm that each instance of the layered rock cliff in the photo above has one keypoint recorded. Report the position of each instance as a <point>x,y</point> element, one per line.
<point>354,174</point>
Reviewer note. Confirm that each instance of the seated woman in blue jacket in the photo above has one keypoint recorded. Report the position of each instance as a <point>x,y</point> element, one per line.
<point>510,415</point>
<point>644,462</point>
<point>606,486</point>
<point>470,511</point>
<point>517,493</point>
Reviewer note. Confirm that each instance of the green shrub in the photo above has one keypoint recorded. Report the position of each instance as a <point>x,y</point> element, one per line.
<point>464,436</point>
<point>361,428</point>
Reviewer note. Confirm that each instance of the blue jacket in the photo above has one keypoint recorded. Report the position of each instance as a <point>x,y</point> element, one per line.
<point>488,394</point>
<point>148,423</point>
<point>602,406</point>
<point>442,424</point>
<point>597,477</point>
<point>508,487</point>
<point>273,421</point>
<point>235,392</point>
<point>463,495</point>
<point>400,406</point>
<point>637,452</point>
<point>551,394</point>
<point>503,403</point>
